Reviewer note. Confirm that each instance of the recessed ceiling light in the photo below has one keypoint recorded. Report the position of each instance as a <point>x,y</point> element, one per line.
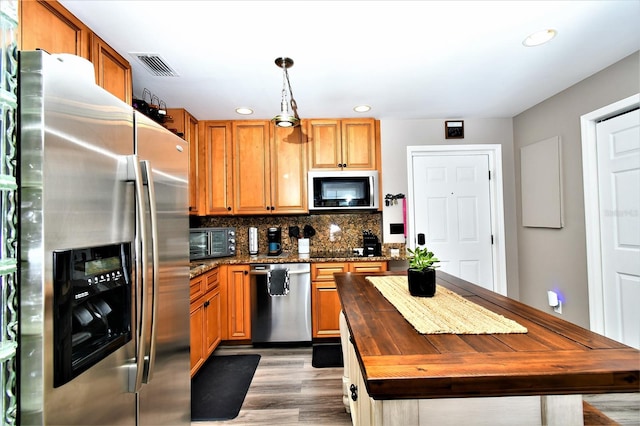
<point>244,111</point>
<point>539,37</point>
<point>362,108</point>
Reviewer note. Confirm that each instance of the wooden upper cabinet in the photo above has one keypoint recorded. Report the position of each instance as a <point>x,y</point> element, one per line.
<point>185,125</point>
<point>48,26</point>
<point>215,165</point>
<point>288,170</point>
<point>251,167</point>
<point>113,72</point>
<point>251,170</point>
<point>325,148</point>
<point>347,144</point>
<point>359,143</point>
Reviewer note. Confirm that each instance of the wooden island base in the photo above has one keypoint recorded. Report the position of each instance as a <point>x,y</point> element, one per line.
<point>561,410</point>
<point>396,376</point>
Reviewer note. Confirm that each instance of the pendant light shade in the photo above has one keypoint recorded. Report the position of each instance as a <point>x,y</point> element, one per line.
<point>286,118</point>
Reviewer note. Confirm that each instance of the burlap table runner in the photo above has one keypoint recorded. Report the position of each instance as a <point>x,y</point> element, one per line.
<point>445,313</point>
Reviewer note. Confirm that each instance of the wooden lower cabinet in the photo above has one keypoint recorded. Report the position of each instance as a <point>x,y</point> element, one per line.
<point>205,317</point>
<point>238,303</point>
<point>325,303</point>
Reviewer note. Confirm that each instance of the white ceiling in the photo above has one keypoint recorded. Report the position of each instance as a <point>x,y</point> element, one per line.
<point>413,59</point>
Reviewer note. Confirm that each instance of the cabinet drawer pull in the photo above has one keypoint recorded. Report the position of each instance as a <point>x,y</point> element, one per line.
<point>354,392</point>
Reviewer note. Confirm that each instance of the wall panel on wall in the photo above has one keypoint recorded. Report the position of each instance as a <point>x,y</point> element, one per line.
<point>541,184</point>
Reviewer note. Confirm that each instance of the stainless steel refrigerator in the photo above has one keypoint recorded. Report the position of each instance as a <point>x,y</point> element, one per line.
<point>104,254</point>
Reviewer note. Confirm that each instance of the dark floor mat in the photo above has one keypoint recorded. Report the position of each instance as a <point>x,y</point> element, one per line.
<point>219,387</point>
<point>327,355</point>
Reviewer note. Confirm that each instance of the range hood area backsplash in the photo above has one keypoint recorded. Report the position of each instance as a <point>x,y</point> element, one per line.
<point>334,232</point>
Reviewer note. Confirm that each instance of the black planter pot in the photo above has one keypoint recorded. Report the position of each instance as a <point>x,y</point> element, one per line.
<point>422,283</point>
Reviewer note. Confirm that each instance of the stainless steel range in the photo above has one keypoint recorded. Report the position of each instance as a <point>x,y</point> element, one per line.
<point>280,303</point>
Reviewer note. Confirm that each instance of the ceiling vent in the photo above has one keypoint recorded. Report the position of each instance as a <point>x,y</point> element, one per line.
<point>155,64</point>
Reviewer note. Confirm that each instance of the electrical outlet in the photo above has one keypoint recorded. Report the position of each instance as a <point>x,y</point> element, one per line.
<point>558,309</point>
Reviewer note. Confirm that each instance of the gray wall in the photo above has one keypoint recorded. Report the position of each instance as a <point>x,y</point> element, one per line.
<point>556,258</point>
<point>397,135</point>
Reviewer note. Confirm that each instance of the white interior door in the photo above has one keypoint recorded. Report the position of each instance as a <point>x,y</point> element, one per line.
<point>452,208</point>
<point>618,148</point>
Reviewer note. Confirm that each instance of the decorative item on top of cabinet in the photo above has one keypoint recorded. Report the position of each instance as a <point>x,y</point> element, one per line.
<point>205,317</point>
<point>181,122</point>
<point>325,303</point>
<point>347,143</point>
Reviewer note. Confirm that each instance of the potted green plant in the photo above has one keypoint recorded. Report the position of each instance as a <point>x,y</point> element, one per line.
<point>421,274</point>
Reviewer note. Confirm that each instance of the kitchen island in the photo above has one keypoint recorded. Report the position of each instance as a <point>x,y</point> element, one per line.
<point>394,375</point>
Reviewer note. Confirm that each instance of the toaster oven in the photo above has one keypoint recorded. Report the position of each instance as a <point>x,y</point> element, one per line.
<point>207,243</point>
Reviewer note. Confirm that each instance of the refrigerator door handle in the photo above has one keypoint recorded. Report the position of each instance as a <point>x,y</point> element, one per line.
<point>150,357</point>
<point>137,367</point>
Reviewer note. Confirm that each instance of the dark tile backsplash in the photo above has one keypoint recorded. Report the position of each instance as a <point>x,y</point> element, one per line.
<point>339,232</point>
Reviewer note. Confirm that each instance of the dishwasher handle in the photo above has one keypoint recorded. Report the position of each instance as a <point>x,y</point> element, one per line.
<point>267,271</point>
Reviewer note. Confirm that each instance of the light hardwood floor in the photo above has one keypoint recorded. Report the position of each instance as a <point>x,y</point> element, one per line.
<point>623,408</point>
<point>287,390</point>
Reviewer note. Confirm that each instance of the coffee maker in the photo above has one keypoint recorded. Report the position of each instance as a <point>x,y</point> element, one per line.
<point>372,246</point>
<point>274,241</point>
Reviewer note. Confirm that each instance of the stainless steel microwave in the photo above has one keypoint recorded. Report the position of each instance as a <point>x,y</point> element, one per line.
<point>207,243</point>
<point>343,190</point>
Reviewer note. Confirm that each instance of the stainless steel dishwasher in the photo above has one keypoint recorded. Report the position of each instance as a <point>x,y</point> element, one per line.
<point>280,303</point>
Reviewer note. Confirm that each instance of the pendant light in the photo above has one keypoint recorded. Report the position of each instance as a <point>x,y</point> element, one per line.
<point>285,118</point>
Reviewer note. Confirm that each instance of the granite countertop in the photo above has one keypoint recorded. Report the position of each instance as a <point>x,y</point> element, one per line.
<point>199,267</point>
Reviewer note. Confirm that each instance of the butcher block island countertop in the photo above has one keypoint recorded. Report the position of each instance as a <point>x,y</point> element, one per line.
<point>554,358</point>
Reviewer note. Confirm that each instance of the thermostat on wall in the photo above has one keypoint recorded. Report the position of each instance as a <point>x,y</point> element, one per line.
<point>454,129</point>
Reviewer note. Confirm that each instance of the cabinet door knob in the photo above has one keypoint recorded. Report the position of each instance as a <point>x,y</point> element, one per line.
<point>207,303</point>
<point>229,208</point>
<point>354,392</point>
